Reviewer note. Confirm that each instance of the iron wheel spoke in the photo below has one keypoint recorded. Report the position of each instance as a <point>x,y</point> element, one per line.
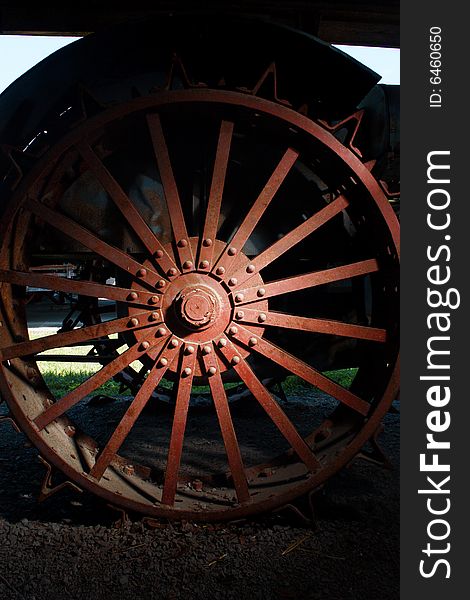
<point>309,280</point>
<point>184,383</point>
<point>206,249</point>
<point>270,406</point>
<point>127,209</point>
<point>93,242</point>
<point>298,367</point>
<point>83,334</point>
<point>95,381</point>
<point>229,436</point>
<point>257,210</point>
<point>326,326</point>
<point>172,197</point>
<point>137,406</point>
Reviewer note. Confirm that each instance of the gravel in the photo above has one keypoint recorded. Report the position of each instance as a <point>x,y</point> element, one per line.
<point>72,546</point>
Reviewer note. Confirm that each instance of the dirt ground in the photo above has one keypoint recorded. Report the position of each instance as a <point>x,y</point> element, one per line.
<point>70,546</point>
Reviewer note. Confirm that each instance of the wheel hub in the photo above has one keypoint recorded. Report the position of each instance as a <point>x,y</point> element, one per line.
<point>197,307</point>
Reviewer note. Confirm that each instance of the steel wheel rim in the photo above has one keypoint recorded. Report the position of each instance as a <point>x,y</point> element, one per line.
<point>367,181</point>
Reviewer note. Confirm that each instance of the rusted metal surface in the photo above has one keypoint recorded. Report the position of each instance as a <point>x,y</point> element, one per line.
<point>202,309</point>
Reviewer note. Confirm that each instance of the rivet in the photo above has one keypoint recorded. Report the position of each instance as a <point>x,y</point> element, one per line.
<point>207,242</point>
<point>252,341</point>
<point>142,273</point>
<point>159,254</point>
<point>189,350</point>
<point>220,271</point>
<point>161,331</point>
<point>262,317</point>
<point>154,300</point>
<point>204,264</point>
<point>222,343</point>
<point>232,251</point>
<point>187,265</point>
<point>172,272</point>
<point>212,370</point>
<point>261,292</point>
<point>233,330</point>
<point>239,298</point>
<point>206,350</point>
<point>134,322</point>
<point>161,283</point>
<point>183,243</point>
<point>187,371</point>
<point>235,360</point>
<point>232,281</point>
<point>162,362</point>
<point>154,316</point>
<point>145,345</point>
<point>133,296</point>
<point>240,314</point>
<point>250,269</point>
<point>174,343</point>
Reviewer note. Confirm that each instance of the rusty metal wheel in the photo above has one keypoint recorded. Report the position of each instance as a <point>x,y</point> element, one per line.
<point>238,243</point>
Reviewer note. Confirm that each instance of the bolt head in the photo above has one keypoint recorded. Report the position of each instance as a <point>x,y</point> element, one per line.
<point>250,269</point>
<point>187,372</point>
<point>154,316</point>
<point>161,331</point>
<point>240,314</point>
<point>211,370</point>
<point>141,272</point>
<point>172,272</point>
<point>220,271</point>
<point>233,330</point>
<point>161,283</point>
<point>252,341</point>
<point>261,292</point>
<point>154,300</point>
<point>189,350</point>
<point>187,264</point>
<point>133,296</point>
<point>162,362</point>
<point>222,343</point>
<point>235,360</point>
<point>206,350</point>
<point>174,343</point>
<point>233,281</point>
<point>159,254</point>
<point>262,317</point>
<point>134,322</point>
<point>145,345</point>
<point>239,298</point>
<point>207,242</point>
<point>232,251</point>
<point>183,243</point>
<point>204,264</point>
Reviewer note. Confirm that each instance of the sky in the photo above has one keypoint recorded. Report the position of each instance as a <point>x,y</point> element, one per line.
<point>20,53</point>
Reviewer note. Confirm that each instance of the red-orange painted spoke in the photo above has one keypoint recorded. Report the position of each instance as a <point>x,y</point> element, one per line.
<point>301,369</point>
<point>258,209</point>
<point>215,197</point>
<point>271,407</point>
<point>184,383</point>
<point>91,241</point>
<point>137,406</point>
<point>74,286</point>
<point>104,374</point>
<point>170,189</point>
<point>83,334</point>
<point>292,238</point>
<point>226,427</point>
<point>301,282</point>
<point>128,210</point>
<point>276,319</point>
